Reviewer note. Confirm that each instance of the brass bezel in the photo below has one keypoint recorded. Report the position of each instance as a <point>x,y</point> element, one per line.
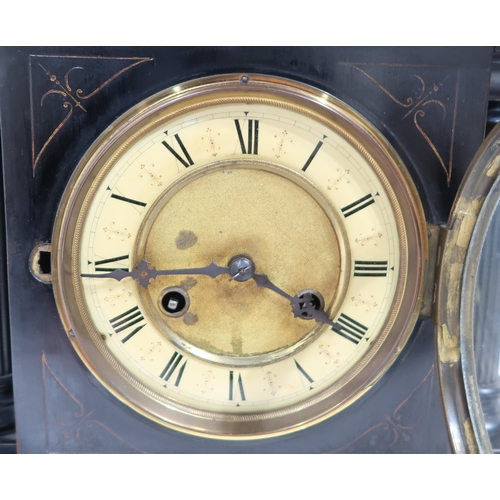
<point>454,304</point>
<point>335,115</point>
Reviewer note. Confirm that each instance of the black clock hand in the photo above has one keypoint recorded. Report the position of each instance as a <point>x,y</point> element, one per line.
<point>263,281</point>
<point>303,306</point>
<point>144,272</point>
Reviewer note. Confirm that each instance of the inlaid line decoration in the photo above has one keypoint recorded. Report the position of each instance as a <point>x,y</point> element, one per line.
<point>396,429</point>
<point>63,83</point>
<point>71,426</point>
<point>423,96</point>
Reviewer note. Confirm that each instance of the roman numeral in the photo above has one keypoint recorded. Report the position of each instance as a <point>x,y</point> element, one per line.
<point>351,329</point>
<point>127,320</point>
<point>313,154</point>
<point>172,365</point>
<point>128,200</point>
<point>186,161</point>
<point>109,261</point>
<point>233,388</point>
<point>358,205</point>
<point>303,372</point>
<point>370,268</point>
<point>252,144</point>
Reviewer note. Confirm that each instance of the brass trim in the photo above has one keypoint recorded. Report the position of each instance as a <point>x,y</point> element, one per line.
<point>450,335</point>
<point>467,311</point>
<point>430,280</point>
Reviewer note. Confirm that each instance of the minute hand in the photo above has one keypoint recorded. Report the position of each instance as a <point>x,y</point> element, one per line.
<point>144,272</point>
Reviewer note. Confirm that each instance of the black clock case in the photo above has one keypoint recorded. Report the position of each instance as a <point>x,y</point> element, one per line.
<point>430,103</point>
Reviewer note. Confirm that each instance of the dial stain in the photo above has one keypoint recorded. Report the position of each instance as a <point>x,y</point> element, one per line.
<point>190,318</point>
<point>188,283</point>
<point>185,240</point>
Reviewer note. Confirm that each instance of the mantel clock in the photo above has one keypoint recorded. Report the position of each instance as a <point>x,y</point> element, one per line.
<point>230,257</point>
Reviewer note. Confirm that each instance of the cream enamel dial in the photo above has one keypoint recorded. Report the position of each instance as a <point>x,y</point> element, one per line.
<point>275,173</point>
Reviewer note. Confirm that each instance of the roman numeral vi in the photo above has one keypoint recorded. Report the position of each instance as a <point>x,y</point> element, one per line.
<point>234,386</point>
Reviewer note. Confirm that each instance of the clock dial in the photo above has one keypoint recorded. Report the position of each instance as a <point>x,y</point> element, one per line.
<point>296,204</point>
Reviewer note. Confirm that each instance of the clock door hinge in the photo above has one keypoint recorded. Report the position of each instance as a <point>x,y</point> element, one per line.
<point>436,234</point>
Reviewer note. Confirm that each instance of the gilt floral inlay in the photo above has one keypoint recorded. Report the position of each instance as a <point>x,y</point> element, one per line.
<point>112,231</point>
<point>210,136</point>
<point>206,385</point>
<point>430,103</point>
<point>279,150</point>
<point>341,177</point>
<point>366,303</point>
<point>148,352</point>
<point>371,237</point>
<point>117,297</point>
<point>148,172</point>
<point>61,87</point>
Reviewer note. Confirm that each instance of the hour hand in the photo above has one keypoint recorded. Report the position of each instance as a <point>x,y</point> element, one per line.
<point>117,274</point>
<point>144,272</point>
